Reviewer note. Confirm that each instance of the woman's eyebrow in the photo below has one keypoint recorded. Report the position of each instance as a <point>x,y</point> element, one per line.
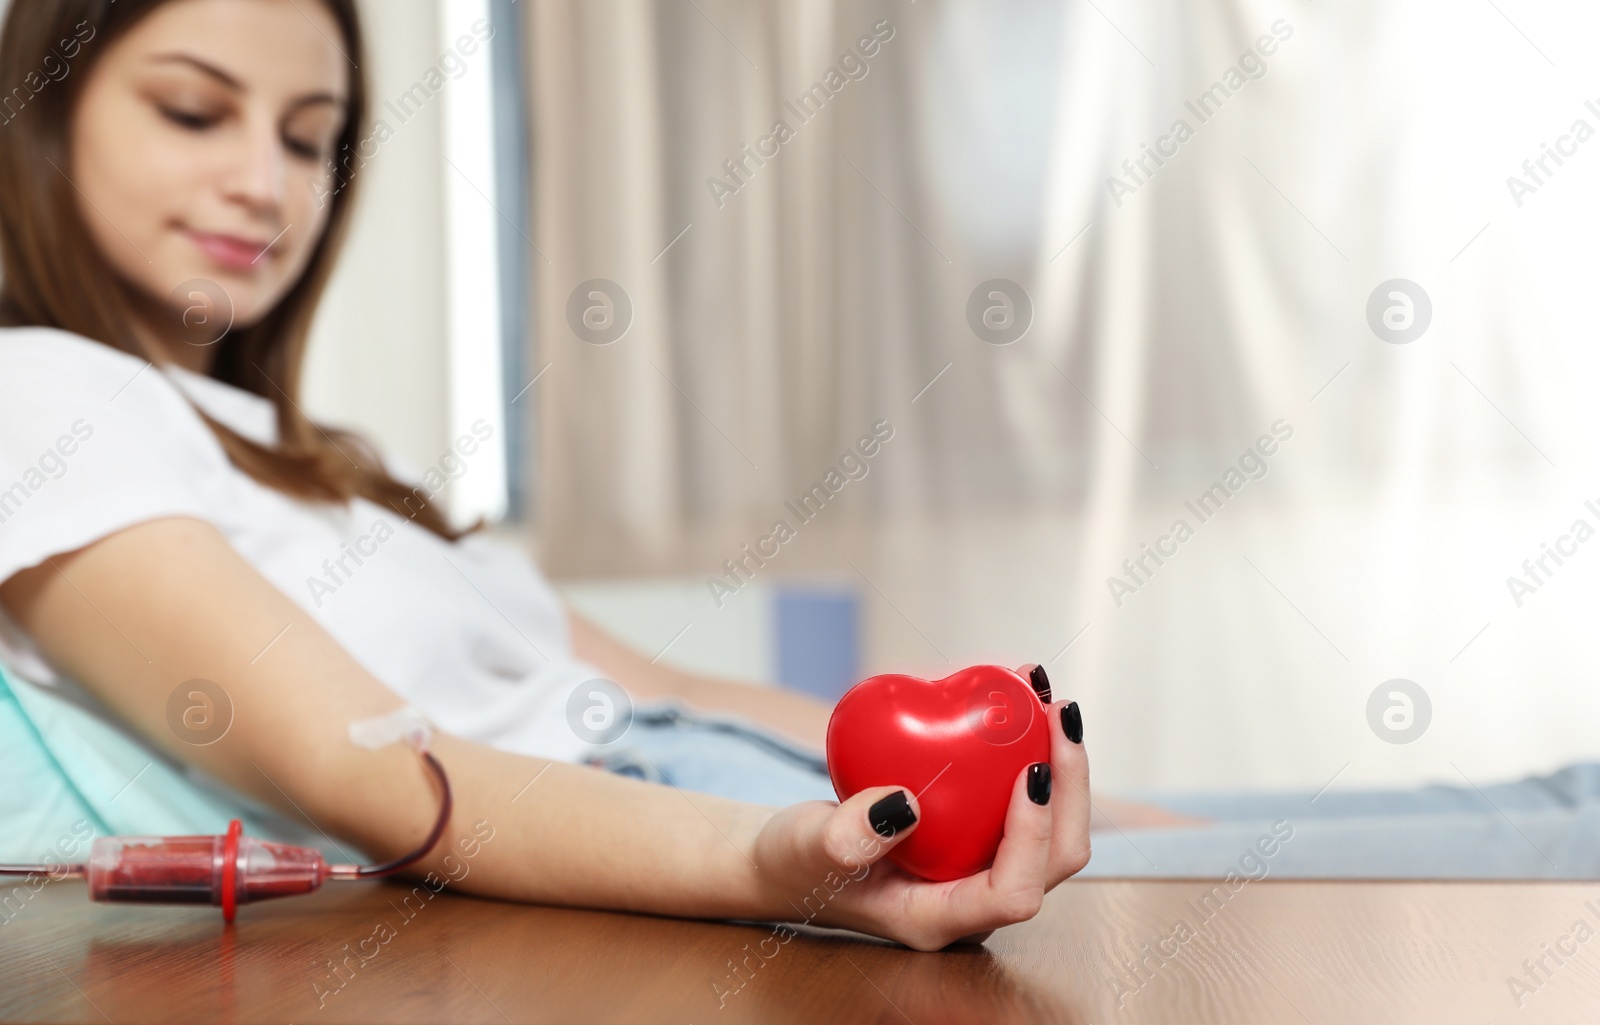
<point>316,98</point>
<point>212,71</point>
<point>209,69</point>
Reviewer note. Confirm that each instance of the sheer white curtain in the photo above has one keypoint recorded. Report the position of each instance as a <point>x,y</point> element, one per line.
<point>1376,145</point>
<point>1225,293</point>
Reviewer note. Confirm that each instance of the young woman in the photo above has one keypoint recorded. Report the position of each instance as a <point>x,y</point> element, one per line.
<point>169,217</point>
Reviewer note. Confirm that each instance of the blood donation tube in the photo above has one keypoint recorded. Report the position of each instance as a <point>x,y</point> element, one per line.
<point>221,871</point>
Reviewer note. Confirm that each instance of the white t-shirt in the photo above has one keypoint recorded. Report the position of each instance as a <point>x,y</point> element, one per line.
<point>93,441</point>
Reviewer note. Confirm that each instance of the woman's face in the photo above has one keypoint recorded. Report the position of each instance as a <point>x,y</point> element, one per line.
<point>199,151</point>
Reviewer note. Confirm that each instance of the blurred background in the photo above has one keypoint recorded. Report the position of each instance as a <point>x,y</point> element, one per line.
<point>682,255</point>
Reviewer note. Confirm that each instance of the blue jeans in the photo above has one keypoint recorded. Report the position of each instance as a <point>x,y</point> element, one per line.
<point>716,754</point>
<point>1545,827</point>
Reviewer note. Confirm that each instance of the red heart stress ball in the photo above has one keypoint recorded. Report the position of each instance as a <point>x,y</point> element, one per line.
<point>959,743</point>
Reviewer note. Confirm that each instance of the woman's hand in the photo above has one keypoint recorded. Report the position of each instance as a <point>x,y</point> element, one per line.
<point>816,850</point>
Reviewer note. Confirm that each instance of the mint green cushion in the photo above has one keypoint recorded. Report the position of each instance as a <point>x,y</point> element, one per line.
<point>63,766</point>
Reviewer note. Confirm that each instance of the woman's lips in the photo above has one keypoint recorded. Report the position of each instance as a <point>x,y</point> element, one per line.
<point>229,251</point>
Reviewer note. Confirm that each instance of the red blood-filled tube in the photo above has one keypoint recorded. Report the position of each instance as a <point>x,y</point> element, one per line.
<point>197,870</point>
<point>223,871</point>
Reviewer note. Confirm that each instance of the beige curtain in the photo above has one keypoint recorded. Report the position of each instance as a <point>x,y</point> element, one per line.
<point>773,326</point>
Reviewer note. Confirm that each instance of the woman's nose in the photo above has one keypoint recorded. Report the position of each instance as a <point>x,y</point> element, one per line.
<point>259,177</point>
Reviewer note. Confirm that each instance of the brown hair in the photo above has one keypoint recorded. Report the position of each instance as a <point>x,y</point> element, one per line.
<point>55,275</point>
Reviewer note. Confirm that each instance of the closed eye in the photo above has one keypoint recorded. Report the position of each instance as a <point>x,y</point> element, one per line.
<point>194,122</point>
<point>304,150</point>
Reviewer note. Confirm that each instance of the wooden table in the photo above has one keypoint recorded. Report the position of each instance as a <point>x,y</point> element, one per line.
<point>1273,952</point>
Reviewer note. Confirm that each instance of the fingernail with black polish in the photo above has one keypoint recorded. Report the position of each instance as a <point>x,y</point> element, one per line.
<point>1041,683</point>
<point>1039,782</point>
<point>1072,722</point>
<point>891,814</point>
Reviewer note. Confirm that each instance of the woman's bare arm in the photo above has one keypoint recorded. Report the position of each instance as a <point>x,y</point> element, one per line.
<point>136,614</point>
<point>798,716</point>
<point>141,612</point>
